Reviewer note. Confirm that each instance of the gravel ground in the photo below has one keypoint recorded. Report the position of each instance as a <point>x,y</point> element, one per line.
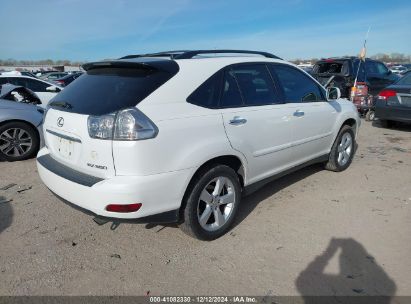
<point>313,232</point>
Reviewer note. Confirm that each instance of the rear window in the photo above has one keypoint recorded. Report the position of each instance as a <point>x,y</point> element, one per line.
<point>106,90</point>
<point>331,67</point>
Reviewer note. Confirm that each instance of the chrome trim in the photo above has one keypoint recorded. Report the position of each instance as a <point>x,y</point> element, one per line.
<point>64,136</point>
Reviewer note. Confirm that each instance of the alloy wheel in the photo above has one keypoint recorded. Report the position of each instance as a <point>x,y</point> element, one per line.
<point>216,203</point>
<point>345,149</point>
<point>15,142</point>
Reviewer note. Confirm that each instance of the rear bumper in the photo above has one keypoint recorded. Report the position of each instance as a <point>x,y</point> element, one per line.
<point>400,114</point>
<point>159,194</point>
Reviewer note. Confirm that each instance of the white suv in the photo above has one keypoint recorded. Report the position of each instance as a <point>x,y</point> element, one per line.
<point>181,136</point>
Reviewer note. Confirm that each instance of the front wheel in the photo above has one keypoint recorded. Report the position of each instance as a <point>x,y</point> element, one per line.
<point>211,203</point>
<point>342,151</point>
<point>370,115</point>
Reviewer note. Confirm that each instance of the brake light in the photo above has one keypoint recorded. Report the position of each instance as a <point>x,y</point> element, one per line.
<point>127,124</point>
<point>123,208</point>
<point>385,94</point>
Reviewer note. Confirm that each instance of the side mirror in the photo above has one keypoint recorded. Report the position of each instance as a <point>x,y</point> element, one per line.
<point>333,93</point>
<point>53,89</point>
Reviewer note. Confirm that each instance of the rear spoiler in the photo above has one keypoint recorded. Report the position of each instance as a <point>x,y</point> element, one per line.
<point>169,66</point>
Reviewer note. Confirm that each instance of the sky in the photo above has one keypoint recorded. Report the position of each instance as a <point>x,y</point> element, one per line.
<point>87,30</point>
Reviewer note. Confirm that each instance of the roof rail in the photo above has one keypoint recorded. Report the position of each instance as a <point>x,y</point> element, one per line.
<point>191,54</point>
<point>184,54</point>
<point>170,54</point>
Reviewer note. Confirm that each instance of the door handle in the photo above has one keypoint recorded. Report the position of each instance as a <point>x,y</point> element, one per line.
<point>299,113</point>
<point>237,120</point>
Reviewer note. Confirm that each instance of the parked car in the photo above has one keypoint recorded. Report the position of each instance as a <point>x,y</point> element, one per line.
<point>398,69</point>
<point>174,138</point>
<point>20,123</point>
<point>66,80</point>
<point>344,69</point>
<point>407,68</point>
<point>18,73</point>
<point>44,90</point>
<point>41,74</point>
<point>394,102</point>
<point>53,76</point>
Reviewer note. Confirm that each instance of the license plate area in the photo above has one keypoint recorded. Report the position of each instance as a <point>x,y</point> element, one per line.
<point>65,147</point>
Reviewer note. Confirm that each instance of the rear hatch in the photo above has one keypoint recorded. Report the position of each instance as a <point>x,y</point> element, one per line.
<point>103,90</point>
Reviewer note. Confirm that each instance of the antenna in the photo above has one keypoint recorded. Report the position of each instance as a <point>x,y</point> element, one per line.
<point>362,55</point>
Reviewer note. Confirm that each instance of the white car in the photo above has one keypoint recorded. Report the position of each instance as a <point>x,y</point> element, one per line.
<point>398,69</point>
<point>44,89</point>
<point>181,138</point>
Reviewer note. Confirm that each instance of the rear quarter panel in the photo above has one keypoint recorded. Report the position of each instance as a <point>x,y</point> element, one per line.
<point>184,141</point>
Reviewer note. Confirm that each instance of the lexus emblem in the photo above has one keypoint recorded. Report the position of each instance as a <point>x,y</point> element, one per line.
<point>60,121</point>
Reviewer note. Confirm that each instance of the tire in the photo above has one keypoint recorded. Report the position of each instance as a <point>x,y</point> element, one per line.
<point>370,115</point>
<point>338,160</point>
<point>203,190</point>
<point>386,123</point>
<point>18,141</point>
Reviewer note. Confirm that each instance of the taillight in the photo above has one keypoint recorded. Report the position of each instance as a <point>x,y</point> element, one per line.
<point>123,208</point>
<point>101,127</point>
<point>385,94</point>
<point>131,124</point>
<point>128,124</point>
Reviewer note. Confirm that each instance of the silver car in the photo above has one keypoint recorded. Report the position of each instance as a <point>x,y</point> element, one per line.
<point>20,123</point>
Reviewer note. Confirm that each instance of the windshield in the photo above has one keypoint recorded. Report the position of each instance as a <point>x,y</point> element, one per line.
<point>405,80</point>
<point>106,90</point>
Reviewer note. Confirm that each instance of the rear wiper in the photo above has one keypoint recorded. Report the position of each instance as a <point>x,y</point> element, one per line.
<point>61,104</point>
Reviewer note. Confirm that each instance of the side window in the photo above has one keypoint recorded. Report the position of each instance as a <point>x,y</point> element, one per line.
<point>255,84</point>
<point>297,86</point>
<point>382,69</point>
<point>361,72</point>
<point>3,80</point>
<point>230,95</point>
<point>207,94</point>
<point>34,85</point>
<point>371,67</point>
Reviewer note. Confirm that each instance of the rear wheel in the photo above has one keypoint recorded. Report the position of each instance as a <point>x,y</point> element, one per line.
<point>18,141</point>
<point>212,202</point>
<point>342,151</point>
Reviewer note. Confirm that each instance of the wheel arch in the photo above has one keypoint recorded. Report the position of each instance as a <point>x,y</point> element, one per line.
<point>232,161</point>
<point>2,123</point>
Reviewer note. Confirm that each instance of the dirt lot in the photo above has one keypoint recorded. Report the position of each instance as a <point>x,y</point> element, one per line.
<point>314,232</point>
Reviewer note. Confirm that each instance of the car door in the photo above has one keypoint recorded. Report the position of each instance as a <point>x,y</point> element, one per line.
<point>256,123</point>
<point>378,76</point>
<point>314,117</point>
